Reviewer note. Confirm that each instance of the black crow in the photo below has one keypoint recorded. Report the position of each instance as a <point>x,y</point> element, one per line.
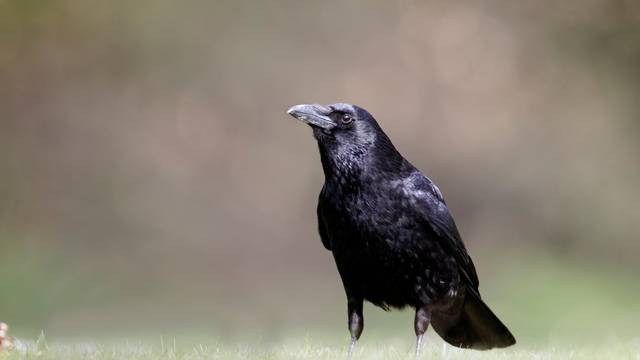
<point>392,237</point>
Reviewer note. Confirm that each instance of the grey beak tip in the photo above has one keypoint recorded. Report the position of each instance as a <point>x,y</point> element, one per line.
<point>292,110</point>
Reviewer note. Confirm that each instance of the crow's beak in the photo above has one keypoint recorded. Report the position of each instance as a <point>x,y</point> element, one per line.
<point>313,114</point>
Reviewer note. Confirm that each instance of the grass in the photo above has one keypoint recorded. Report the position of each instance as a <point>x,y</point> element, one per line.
<point>306,349</point>
<point>556,308</point>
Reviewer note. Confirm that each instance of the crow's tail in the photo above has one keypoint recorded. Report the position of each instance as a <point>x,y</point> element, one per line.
<point>475,327</point>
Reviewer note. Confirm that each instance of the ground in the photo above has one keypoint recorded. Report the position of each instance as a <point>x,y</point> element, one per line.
<point>561,311</point>
<point>306,349</point>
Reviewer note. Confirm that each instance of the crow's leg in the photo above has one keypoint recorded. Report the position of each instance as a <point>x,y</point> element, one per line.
<point>356,321</point>
<point>421,323</point>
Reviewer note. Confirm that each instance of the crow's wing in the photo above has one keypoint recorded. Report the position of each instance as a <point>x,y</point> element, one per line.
<point>431,205</point>
<point>322,228</point>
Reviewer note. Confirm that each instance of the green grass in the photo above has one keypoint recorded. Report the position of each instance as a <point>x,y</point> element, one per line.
<point>556,308</point>
<point>307,349</point>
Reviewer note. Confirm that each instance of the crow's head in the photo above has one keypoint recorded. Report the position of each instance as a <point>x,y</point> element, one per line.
<point>338,124</point>
<point>349,137</point>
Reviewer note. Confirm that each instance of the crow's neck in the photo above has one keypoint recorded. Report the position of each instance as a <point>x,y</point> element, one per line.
<point>348,169</point>
<point>343,171</point>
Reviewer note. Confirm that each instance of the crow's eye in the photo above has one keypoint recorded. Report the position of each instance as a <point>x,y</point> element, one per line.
<point>346,119</point>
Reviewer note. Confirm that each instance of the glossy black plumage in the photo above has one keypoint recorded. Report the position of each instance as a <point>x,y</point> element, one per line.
<point>391,234</point>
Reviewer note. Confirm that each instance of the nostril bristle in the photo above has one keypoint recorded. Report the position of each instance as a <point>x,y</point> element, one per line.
<point>321,109</point>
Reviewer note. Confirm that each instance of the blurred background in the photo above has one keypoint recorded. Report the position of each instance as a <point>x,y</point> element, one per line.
<point>152,183</point>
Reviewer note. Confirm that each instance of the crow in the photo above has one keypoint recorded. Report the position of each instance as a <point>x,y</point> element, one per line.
<point>393,239</point>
